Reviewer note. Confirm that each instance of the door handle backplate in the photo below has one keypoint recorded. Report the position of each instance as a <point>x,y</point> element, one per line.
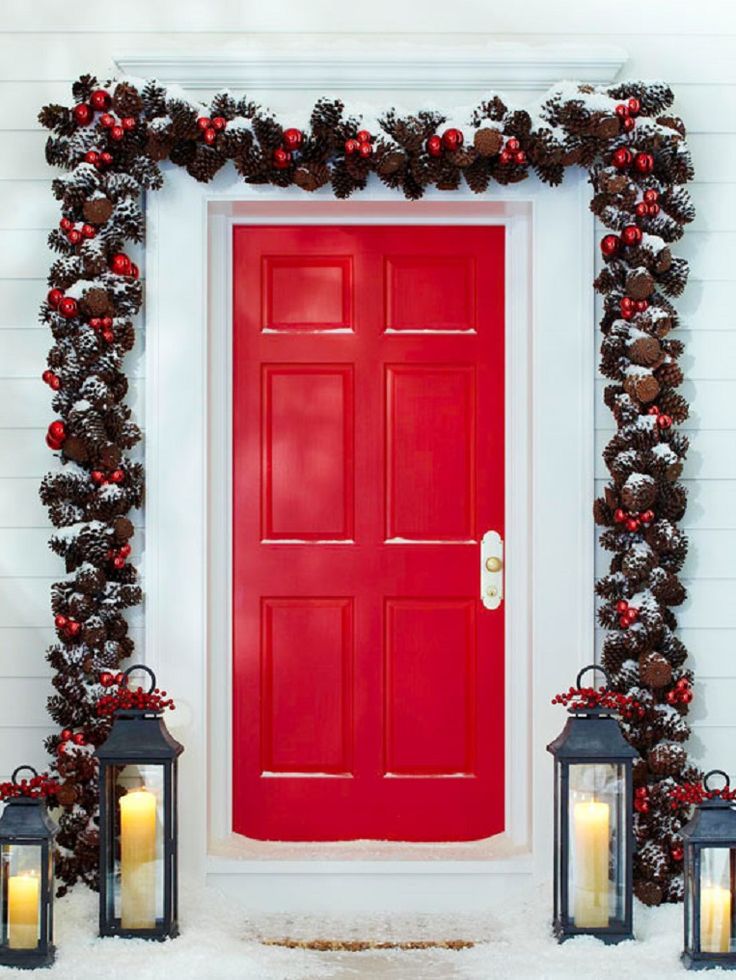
<point>491,570</point>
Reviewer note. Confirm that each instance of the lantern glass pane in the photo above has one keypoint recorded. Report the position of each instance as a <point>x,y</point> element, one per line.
<point>138,822</point>
<point>717,900</point>
<point>21,892</point>
<point>597,844</point>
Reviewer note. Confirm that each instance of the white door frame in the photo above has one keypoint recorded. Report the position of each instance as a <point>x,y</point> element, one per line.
<point>549,474</point>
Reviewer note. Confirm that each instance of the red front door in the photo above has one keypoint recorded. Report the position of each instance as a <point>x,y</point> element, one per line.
<point>368,463</point>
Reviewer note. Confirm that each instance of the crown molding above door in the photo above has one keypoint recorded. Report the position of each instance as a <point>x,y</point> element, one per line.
<point>351,64</point>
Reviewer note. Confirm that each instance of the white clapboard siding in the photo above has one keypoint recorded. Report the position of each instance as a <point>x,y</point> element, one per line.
<point>45,45</point>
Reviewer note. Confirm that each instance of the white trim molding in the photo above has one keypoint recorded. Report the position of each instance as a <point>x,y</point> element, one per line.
<point>355,65</point>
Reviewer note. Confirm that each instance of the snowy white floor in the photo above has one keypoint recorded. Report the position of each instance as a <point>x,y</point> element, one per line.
<point>218,943</point>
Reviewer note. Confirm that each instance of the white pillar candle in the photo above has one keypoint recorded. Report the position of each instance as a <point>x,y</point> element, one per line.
<point>138,860</point>
<point>591,829</point>
<point>715,919</point>
<point>23,911</point>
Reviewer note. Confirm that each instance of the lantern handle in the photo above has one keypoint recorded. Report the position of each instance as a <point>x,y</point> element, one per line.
<point>592,667</point>
<point>20,769</point>
<point>145,669</point>
<point>715,772</point>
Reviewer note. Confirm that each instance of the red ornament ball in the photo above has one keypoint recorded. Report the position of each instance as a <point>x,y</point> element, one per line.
<point>60,623</point>
<point>632,524</point>
<point>627,304</point>
<point>106,322</point>
<point>631,235</point>
<point>351,147</point>
<point>66,224</point>
<point>647,517</point>
<point>78,738</point>
<point>108,336</point>
<point>642,209</point>
<point>73,627</point>
<point>652,210</point>
<point>120,264</point>
<point>219,123</point>
<point>619,515</point>
<point>100,99</point>
<point>117,476</point>
<point>105,159</point>
<point>52,443</point>
<point>74,236</point>
<point>513,144</point>
<point>203,123</point>
<point>292,138</point>
<point>88,231</point>
<point>644,163</point>
<point>68,307</point>
<point>66,734</point>
<point>124,550</point>
<point>92,156</point>
<point>664,421</point>
<point>677,854</point>
<point>107,120</point>
<point>621,158</point>
<point>209,136</point>
<point>281,158</point>
<point>629,124</point>
<point>54,297</point>
<point>621,606</point>
<point>452,139</point>
<point>651,196</point>
<point>634,106</point>
<point>82,114</point>
<point>135,272</point>
<point>434,146</point>
<point>505,157</point>
<point>621,111</point>
<point>520,157</point>
<point>107,679</point>
<point>610,244</point>
<point>364,136</point>
<point>117,133</point>
<point>118,562</point>
<point>642,305</point>
<point>97,476</point>
<point>128,123</point>
<point>365,150</point>
<point>57,430</point>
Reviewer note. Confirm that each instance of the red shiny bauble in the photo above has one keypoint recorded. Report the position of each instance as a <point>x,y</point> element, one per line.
<point>434,146</point>
<point>73,627</point>
<point>209,136</point>
<point>78,738</point>
<point>647,516</point>
<point>66,734</point>
<point>671,697</point>
<point>619,515</point>
<point>520,157</point>
<point>629,124</point>
<point>119,678</point>
<point>621,606</point>
<point>107,679</point>
<point>623,622</point>
<point>452,139</point>
<point>682,684</point>
<point>627,304</point>
<point>642,209</point>
<point>108,336</point>
<point>642,807</point>
<point>100,99</point>
<point>117,476</point>
<point>119,562</point>
<point>74,236</point>
<point>505,157</point>
<point>107,120</point>
<point>57,430</point>
<point>677,854</point>
<point>292,138</point>
<point>281,158</point>
<point>644,163</point>
<point>641,791</point>
<point>621,158</point>
<point>632,613</point>
<point>82,114</point>
<point>54,297</point>
<point>106,321</point>
<point>512,144</point>
<point>60,623</point>
<point>642,305</point>
<point>95,322</point>
<point>651,196</point>
<point>610,244</point>
<point>134,271</point>
<point>47,374</point>
<point>219,123</point>
<point>632,524</point>
<point>631,235</point>
<point>117,133</point>
<point>203,123</point>
<point>66,224</point>
<point>351,147</point>
<point>53,382</point>
<point>52,443</point>
<point>653,410</point>
<point>652,210</point>
<point>686,697</point>
<point>124,550</point>
<point>105,158</point>
<point>128,123</point>
<point>364,136</point>
<point>120,264</point>
<point>88,231</point>
<point>97,476</point>
<point>68,307</point>
<point>92,156</point>
<point>365,150</point>
<point>664,421</point>
<point>622,111</point>
<point>634,106</point>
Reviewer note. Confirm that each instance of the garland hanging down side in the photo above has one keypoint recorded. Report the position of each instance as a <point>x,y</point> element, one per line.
<point>110,144</point>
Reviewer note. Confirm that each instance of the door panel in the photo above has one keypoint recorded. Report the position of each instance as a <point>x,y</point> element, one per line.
<point>367,464</point>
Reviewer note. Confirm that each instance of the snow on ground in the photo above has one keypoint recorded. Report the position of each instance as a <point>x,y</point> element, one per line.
<point>219,942</point>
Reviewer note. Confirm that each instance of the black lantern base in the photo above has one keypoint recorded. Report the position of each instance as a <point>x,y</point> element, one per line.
<point>159,934</point>
<point>609,936</point>
<point>709,961</point>
<point>27,959</point>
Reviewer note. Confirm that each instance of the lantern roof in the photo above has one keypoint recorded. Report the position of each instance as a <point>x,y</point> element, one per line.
<point>27,818</point>
<point>590,736</point>
<point>139,736</point>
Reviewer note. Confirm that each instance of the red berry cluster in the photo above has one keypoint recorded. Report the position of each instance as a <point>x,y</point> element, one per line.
<point>291,139</point>
<point>117,128</point>
<point>100,478</point>
<point>51,379</point>
<point>121,265</point>
<point>107,679</point>
<point>35,788</point>
<point>681,693</point>
<point>627,615</point>
<point>99,101</point>
<point>451,139</point>
<point>632,520</point>
<point>75,235</point>
<point>118,556</point>
<point>512,153</point>
<point>627,112</point>
<point>66,306</point>
<point>103,324</point>
<point>641,799</point>
<point>362,144</point>
<point>677,853</point>
<point>663,421</point>
<point>67,626</point>
<point>648,207</point>
<point>623,158</point>
<point>76,738</point>
<point>56,435</point>
<point>209,128</point>
<point>97,159</point>
<point>692,794</point>
<point>124,699</point>
<point>629,307</point>
<point>582,698</point>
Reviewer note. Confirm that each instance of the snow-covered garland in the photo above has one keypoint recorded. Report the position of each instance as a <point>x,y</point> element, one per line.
<point>110,143</point>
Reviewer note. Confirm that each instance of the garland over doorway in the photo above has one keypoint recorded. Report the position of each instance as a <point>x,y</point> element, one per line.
<point>110,144</point>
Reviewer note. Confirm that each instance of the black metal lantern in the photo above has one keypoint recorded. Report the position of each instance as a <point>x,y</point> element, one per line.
<point>26,881</point>
<point>710,882</point>
<point>593,825</point>
<point>138,825</point>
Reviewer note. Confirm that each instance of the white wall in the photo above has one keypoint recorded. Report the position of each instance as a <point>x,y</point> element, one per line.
<point>45,45</point>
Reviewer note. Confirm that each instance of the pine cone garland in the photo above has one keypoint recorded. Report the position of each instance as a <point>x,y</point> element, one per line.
<point>97,210</point>
<point>639,284</point>
<point>487,141</point>
<point>655,670</point>
<point>96,302</point>
<point>126,101</point>
<point>646,351</point>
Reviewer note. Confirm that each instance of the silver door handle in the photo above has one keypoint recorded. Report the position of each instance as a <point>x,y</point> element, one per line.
<point>491,569</point>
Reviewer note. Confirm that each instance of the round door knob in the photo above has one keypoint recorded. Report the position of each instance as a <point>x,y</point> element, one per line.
<point>494,564</point>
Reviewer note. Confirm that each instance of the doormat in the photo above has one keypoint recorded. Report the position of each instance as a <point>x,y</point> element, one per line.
<point>360,946</point>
